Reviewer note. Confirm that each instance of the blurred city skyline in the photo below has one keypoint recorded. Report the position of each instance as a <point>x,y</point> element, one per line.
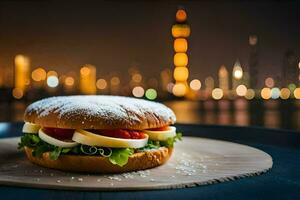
<point>114,36</point>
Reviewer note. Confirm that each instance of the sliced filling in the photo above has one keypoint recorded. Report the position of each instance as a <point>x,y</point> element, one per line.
<point>117,145</point>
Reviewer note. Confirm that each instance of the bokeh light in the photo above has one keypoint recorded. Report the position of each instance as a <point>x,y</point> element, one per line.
<point>265,93</point>
<point>151,94</point>
<point>21,60</point>
<point>180,59</point>
<point>69,81</point>
<point>275,93</point>
<point>101,84</point>
<point>269,82</point>
<point>181,73</point>
<point>292,86</point>
<point>17,93</point>
<point>137,77</point>
<point>241,90</point>
<point>38,74</point>
<point>85,71</point>
<point>181,30</point>
<point>52,73</point>
<point>285,93</point>
<point>297,93</point>
<point>52,81</point>
<point>195,84</point>
<point>138,91</point>
<point>181,15</point>
<point>250,94</point>
<point>180,45</point>
<point>238,74</point>
<point>179,89</point>
<point>217,93</point>
<point>115,81</point>
<point>237,71</point>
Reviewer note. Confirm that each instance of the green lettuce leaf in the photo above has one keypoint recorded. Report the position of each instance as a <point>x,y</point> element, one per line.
<point>150,145</point>
<point>170,141</point>
<point>120,156</point>
<point>66,150</point>
<point>156,144</point>
<point>40,149</point>
<point>29,140</point>
<point>55,153</point>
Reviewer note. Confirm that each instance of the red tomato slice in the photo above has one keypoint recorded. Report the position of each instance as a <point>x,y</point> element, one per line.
<point>67,134</point>
<point>120,133</point>
<point>59,133</point>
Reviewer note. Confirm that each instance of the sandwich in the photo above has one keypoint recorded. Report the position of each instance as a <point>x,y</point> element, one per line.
<point>98,134</point>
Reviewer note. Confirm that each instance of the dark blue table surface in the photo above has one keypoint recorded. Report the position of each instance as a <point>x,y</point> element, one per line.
<point>281,182</point>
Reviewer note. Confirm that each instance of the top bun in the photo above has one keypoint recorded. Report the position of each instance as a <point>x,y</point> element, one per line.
<point>99,112</point>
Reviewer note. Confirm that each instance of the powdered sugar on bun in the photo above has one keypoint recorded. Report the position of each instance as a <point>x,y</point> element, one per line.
<point>99,112</point>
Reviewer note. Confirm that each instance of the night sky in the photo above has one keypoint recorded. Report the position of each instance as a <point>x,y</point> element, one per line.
<point>114,35</point>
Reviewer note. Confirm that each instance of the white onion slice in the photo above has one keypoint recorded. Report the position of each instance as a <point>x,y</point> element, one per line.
<point>31,128</point>
<point>91,139</point>
<point>161,135</point>
<point>54,141</point>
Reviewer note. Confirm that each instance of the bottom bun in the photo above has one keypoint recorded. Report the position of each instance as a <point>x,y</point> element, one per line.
<point>94,164</point>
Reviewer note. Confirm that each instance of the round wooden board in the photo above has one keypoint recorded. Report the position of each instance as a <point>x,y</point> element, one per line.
<point>196,161</point>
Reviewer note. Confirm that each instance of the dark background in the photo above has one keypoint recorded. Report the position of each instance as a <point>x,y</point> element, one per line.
<point>114,35</point>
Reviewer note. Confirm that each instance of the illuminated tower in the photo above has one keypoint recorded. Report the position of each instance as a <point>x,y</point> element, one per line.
<point>180,32</point>
<point>22,72</point>
<point>88,79</point>
<point>289,69</point>
<point>223,78</point>
<point>253,62</point>
<point>21,76</point>
<point>237,74</point>
<point>209,86</point>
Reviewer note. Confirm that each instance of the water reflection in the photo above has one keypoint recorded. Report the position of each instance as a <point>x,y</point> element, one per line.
<point>272,119</point>
<point>272,114</point>
<point>209,117</point>
<point>12,111</point>
<point>186,111</point>
<point>224,118</point>
<point>241,112</point>
<point>241,118</point>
